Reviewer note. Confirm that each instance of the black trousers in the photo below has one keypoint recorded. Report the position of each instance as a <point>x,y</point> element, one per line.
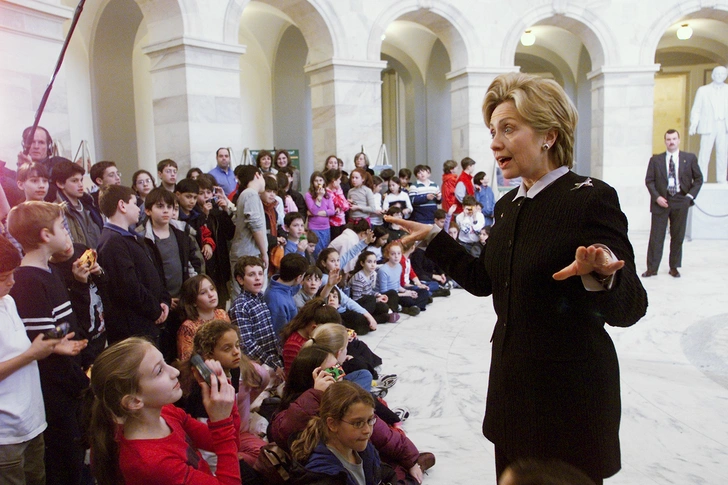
<point>677,215</point>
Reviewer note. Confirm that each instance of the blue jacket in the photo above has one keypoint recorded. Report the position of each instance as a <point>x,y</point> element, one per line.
<point>487,199</point>
<point>322,460</point>
<point>279,298</point>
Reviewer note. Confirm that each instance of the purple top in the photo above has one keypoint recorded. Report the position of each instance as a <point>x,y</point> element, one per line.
<point>316,221</point>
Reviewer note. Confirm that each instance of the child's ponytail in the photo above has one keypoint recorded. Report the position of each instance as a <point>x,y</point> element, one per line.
<point>115,375</point>
<point>303,446</point>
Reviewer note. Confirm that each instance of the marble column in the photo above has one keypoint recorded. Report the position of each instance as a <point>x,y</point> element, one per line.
<point>31,36</point>
<point>196,98</point>
<point>470,137</point>
<point>346,104</point>
<point>621,139</point>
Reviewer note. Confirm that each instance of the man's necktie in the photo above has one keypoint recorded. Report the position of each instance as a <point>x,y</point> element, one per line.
<point>672,180</point>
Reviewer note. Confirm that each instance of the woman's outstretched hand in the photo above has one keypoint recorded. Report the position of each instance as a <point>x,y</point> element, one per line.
<point>416,230</point>
<point>591,259</point>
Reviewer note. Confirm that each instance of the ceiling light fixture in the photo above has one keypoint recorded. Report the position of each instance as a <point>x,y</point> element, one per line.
<point>528,38</point>
<point>684,32</point>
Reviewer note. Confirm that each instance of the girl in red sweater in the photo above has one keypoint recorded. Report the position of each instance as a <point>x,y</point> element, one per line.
<point>138,436</point>
<point>297,332</point>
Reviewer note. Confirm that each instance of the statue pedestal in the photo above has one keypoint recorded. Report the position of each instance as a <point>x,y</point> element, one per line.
<point>713,199</point>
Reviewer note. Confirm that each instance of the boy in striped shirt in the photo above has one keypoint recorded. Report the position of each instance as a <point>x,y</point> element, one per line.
<point>425,195</point>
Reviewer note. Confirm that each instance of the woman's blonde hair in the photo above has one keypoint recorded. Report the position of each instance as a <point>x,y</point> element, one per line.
<point>335,403</point>
<point>543,104</point>
<point>331,336</point>
<point>115,375</point>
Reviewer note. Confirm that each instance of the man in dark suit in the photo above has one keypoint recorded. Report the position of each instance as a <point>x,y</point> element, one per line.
<point>674,180</point>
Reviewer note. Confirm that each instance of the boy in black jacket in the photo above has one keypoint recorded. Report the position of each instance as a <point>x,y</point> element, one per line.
<point>140,302</point>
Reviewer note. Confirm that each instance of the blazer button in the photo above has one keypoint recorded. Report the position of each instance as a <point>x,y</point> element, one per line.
<point>510,243</point>
<point>505,285</point>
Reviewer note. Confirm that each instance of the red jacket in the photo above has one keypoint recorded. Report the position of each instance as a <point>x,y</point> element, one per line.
<point>467,180</point>
<point>394,447</point>
<point>449,181</point>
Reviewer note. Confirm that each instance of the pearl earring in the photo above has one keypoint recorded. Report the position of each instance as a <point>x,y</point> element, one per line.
<point>545,146</point>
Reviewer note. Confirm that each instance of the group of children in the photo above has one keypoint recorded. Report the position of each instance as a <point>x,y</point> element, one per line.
<point>105,298</point>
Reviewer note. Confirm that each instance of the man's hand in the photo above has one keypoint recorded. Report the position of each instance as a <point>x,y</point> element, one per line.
<point>662,202</point>
<point>593,258</point>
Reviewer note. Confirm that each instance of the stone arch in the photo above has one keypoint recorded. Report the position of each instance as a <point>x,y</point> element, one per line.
<point>672,15</point>
<point>450,25</point>
<point>169,12</point>
<point>596,36</point>
<point>319,25</point>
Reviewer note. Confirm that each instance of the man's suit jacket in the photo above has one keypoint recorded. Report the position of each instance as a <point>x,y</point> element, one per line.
<point>689,176</point>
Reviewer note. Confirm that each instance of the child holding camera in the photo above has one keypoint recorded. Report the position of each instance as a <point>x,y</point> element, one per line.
<point>158,442</point>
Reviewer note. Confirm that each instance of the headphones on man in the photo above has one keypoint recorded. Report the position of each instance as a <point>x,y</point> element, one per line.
<point>26,132</point>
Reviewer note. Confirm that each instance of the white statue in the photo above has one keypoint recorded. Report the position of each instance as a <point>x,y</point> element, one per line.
<point>709,118</point>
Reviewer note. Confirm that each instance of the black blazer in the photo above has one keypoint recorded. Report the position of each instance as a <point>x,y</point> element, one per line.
<point>553,388</point>
<point>689,176</point>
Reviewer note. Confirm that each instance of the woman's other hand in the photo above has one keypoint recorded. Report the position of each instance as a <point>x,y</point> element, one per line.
<point>595,258</point>
<point>416,230</point>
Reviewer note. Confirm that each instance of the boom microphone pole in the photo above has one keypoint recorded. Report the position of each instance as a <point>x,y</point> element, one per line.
<point>29,139</point>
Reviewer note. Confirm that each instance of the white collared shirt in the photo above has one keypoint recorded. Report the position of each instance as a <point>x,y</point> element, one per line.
<point>541,183</point>
<point>676,160</point>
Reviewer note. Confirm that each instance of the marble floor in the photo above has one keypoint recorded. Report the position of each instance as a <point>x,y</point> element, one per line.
<point>674,375</point>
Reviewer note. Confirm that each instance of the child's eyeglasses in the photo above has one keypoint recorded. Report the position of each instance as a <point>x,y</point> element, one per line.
<point>360,424</point>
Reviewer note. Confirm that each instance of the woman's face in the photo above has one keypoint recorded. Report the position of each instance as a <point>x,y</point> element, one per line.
<point>361,161</point>
<point>265,162</point>
<point>332,163</point>
<point>355,179</point>
<point>143,185</point>
<point>517,147</point>
<point>282,160</point>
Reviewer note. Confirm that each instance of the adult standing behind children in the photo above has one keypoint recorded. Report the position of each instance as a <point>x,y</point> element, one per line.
<point>222,172</point>
<point>139,302</point>
<point>250,238</point>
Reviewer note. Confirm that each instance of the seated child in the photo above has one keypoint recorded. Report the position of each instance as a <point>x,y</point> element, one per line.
<point>311,284</point>
<point>326,445</point>
<point>251,314</point>
<point>397,197</point>
<point>354,316</point>
<point>199,305</point>
<point>132,385</point>
<point>394,230</point>
<point>315,312</point>
<point>381,238</point>
<point>282,287</point>
<point>218,340</point>
<point>389,277</point>
<point>363,283</point>
<point>410,279</point>
<point>470,222</point>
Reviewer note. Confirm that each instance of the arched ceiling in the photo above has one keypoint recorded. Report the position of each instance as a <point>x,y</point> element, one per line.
<point>555,45</point>
<point>411,38</point>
